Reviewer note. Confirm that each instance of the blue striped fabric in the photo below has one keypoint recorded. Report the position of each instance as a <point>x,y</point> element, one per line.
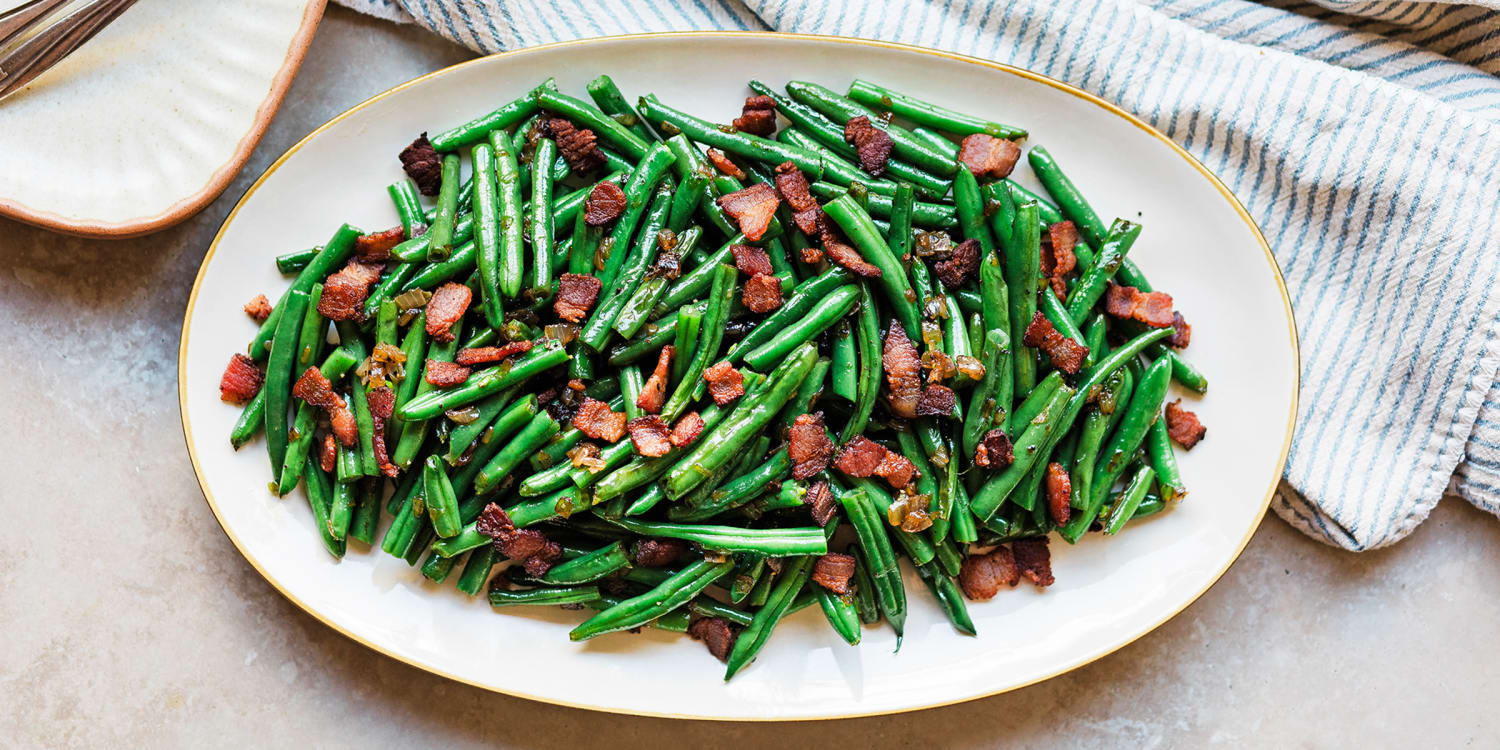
<point>1361,135</point>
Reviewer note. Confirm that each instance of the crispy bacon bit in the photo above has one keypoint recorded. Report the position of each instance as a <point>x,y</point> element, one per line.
<point>723,164</point>
<point>1034,560</point>
<point>1182,333</point>
<point>650,436</point>
<point>897,470</point>
<point>981,576</point>
<point>988,156</point>
<point>538,564</point>
<point>258,308</point>
<point>860,457</point>
<point>423,165</point>
<point>994,450</point>
<point>1064,237</point>
<point>1066,354</point>
<point>315,389</point>
<point>345,290</point>
<point>845,255</point>
<point>579,147</point>
<point>520,544</point>
<point>654,392</point>
<point>241,381</point>
<point>603,205</point>
<point>714,632</point>
<point>576,293</point>
<point>751,260</point>
<point>1183,426</point>
<point>757,117</point>
<point>794,189</point>
<point>595,419</point>
<point>725,383</point>
<point>833,571</point>
<point>484,355</point>
<point>961,264</point>
<point>493,521</point>
<point>872,144</point>
<point>762,293</point>
<point>1059,489</point>
<point>689,426</point>
<point>443,374</point>
<point>1152,308</point>
<point>376,248</point>
<point>328,453</point>
<point>528,545</point>
<point>447,306</point>
<point>903,371</point>
<point>808,446</point>
<point>821,503</point>
<point>382,402</point>
<point>936,401</point>
<point>651,552</point>
<point>753,208</point>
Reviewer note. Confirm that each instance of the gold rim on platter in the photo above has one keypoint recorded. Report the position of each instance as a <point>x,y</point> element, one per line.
<point>1008,69</point>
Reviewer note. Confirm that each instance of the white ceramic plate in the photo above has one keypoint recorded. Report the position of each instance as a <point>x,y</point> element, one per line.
<point>146,123</point>
<point>1198,243</point>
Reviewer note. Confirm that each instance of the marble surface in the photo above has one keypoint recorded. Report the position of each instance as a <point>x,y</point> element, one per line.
<point>130,620</point>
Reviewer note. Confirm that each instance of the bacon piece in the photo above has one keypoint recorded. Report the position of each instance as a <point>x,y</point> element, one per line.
<point>519,544</point>
<point>382,403</point>
<point>753,208</point>
<point>897,470</point>
<point>376,248</point>
<point>422,164</point>
<point>650,436</point>
<point>757,117</point>
<point>654,392</point>
<point>988,156</point>
<point>1034,560</point>
<point>725,383</point>
<point>595,419</point>
<point>795,190</point>
<point>871,143</point>
<point>1059,490</point>
<point>689,426</point>
<point>1152,308</point>
<point>447,306</point>
<point>751,260</point>
<point>821,503</point>
<point>1182,332</point>
<point>715,633</point>
<point>860,457</point>
<point>1066,354</point>
<point>994,450</point>
<point>722,163</point>
<point>846,256</point>
<point>961,264</point>
<point>981,576</point>
<point>903,371</point>
<point>833,571</point>
<point>936,401</point>
<point>651,552</point>
<point>808,446</point>
<point>528,545</point>
<point>579,146</point>
<point>542,561</point>
<point>484,355</point>
<point>258,308</point>
<point>315,389</point>
<point>241,381</point>
<point>328,454</point>
<point>576,293</point>
<point>443,374</point>
<point>1064,237</point>
<point>762,293</point>
<point>603,205</point>
<point>345,290</point>
<point>1183,426</point>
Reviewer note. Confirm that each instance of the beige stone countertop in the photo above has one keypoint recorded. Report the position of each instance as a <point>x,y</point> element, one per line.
<point>130,621</point>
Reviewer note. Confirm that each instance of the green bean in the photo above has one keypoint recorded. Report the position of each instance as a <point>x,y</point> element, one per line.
<point>1022,256</point>
<point>672,593</point>
<point>804,297</point>
<point>937,140</point>
<point>1090,286</point>
<point>629,274</point>
<point>280,374</point>
<point>639,188</point>
<point>320,499</point>
<point>931,215</point>
<point>312,334</point>
<point>1164,461</point>
<point>1150,506</point>
<point>500,597</point>
<point>366,512</point>
<point>359,398</point>
<point>607,95</point>
<point>536,433</point>
<point>904,145</point>
<point>339,361</point>
<point>414,429</point>
<point>334,253</point>
<point>949,597</point>
<point>1129,500</point>
<point>296,260</point>
<point>788,584</point>
<point>864,587</point>
<point>510,219</point>
<point>845,365</point>
<point>442,505</point>
<point>738,491</point>
<point>869,529</point>
<point>414,347</point>
<point>542,230</point>
<point>821,317</point>
<point>591,567</point>
<point>968,201</point>
<point>433,403</point>
<point>440,234</point>
<point>408,207</point>
<point>1034,403</point>
<point>1074,206</point>
<point>711,333</point>
<point>989,403</point>
<point>476,570</point>
<point>916,544</point>
<point>842,614</point>
<point>1090,437</point>
<point>479,128</point>
<point>486,245</point>
<point>867,336</point>
<point>733,142</point>
<point>643,470</point>
<point>964,530</point>
<point>586,115</point>
<point>1026,449</point>
<point>930,115</point>
<point>937,508</point>
<point>839,171</point>
<point>898,291</point>
<point>341,510</point>
<point>252,418</point>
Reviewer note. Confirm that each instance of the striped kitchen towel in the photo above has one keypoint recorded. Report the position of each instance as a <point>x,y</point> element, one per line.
<point>1361,135</point>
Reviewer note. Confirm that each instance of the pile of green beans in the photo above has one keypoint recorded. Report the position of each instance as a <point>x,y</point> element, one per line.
<point>733,500</point>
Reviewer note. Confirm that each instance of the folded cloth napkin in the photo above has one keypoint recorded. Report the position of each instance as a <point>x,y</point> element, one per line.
<point>1361,135</point>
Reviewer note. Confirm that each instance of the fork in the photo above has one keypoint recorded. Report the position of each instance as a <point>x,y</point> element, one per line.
<point>32,57</point>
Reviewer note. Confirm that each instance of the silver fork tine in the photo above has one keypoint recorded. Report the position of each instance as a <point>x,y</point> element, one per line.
<point>18,20</point>
<point>34,56</point>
